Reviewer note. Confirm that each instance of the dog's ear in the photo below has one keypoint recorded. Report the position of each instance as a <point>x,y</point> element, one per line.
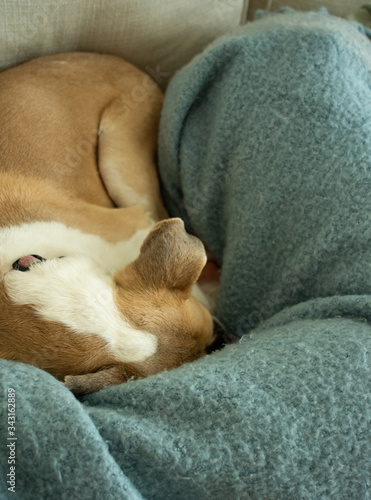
<point>92,382</point>
<point>170,257</point>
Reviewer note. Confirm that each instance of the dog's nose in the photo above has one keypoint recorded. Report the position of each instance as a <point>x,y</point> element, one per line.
<point>222,337</point>
<point>24,263</point>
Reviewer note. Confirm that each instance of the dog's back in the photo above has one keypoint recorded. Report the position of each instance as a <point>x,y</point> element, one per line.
<point>50,113</point>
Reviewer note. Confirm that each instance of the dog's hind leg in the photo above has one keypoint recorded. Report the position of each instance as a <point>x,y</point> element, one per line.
<point>127,150</point>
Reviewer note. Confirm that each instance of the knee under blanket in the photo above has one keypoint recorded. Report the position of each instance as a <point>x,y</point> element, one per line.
<point>265,150</point>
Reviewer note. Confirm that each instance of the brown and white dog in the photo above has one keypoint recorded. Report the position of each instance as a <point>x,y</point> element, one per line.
<point>91,289</point>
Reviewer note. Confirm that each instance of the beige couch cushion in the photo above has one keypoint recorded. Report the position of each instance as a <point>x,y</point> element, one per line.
<point>160,35</point>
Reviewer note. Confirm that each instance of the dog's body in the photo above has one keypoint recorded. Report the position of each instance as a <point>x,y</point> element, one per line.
<point>78,181</point>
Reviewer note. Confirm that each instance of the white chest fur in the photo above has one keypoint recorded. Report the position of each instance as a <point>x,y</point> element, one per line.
<point>76,290</point>
<point>54,239</point>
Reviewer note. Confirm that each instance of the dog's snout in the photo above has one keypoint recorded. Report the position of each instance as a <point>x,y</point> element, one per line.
<point>23,263</point>
<point>222,337</point>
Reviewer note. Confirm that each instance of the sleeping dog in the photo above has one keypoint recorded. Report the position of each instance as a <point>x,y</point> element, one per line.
<point>96,282</point>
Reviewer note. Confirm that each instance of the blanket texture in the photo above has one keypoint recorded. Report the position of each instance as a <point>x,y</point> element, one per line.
<point>265,151</point>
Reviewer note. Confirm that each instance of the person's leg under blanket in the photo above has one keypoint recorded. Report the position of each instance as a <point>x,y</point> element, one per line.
<point>265,151</point>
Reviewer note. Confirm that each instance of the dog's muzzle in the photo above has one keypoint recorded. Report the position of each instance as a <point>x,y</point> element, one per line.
<point>23,263</point>
<point>222,337</point>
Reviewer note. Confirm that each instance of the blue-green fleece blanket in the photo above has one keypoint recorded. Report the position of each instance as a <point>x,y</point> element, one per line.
<point>265,150</point>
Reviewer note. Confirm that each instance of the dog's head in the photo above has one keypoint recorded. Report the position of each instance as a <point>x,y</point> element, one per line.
<point>72,318</point>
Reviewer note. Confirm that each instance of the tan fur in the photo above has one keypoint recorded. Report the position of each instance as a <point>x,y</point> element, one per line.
<point>28,340</point>
<point>74,128</point>
<point>152,296</point>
